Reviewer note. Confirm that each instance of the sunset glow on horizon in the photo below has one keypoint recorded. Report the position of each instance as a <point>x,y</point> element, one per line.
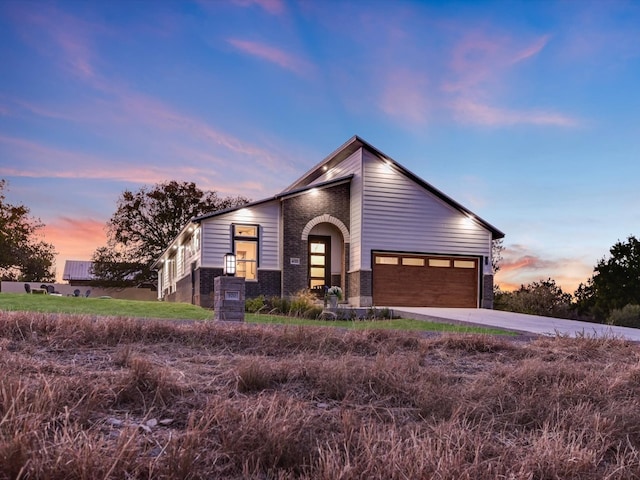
<point>526,115</point>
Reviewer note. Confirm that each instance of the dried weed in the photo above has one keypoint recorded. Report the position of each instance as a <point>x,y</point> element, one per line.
<point>87,398</point>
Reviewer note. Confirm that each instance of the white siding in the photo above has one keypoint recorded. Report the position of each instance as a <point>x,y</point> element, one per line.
<point>162,281</point>
<point>352,165</point>
<point>399,214</point>
<point>355,227</point>
<point>216,234</point>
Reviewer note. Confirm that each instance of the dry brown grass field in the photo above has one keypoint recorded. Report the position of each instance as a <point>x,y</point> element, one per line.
<point>114,398</point>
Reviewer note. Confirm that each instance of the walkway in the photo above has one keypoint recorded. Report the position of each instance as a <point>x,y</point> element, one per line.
<point>519,322</point>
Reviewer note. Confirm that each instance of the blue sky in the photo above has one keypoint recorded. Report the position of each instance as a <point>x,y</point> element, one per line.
<point>528,113</point>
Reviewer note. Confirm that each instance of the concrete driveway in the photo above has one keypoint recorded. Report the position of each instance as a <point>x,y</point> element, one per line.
<point>516,322</point>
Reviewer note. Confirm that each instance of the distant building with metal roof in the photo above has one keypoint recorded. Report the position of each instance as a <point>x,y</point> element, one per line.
<point>78,271</point>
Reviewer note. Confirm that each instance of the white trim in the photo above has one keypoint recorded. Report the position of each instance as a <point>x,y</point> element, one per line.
<point>326,218</point>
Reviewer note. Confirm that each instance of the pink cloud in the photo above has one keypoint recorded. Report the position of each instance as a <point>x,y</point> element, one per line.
<point>42,161</point>
<point>473,60</point>
<point>274,7</point>
<point>63,37</point>
<point>34,160</point>
<point>470,111</point>
<point>77,53</point>
<point>479,59</point>
<point>74,239</point>
<point>476,74</point>
<point>404,96</point>
<point>533,49</point>
<point>22,106</point>
<point>473,79</point>
<point>152,112</point>
<point>272,54</point>
<point>126,108</point>
<point>521,266</point>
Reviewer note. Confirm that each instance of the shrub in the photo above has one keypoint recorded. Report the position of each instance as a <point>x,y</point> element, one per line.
<point>302,302</point>
<point>253,305</point>
<point>627,316</point>
<point>278,305</point>
<point>374,313</point>
<point>312,313</point>
<point>538,298</point>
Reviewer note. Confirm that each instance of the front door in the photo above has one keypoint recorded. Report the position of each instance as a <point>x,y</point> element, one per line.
<point>319,263</point>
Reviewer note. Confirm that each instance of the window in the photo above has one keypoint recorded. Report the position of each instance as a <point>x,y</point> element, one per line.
<point>464,264</point>
<point>414,262</point>
<point>319,263</point>
<point>387,260</point>
<point>245,246</point>
<point>171,269</point>
<point>192,244</point>
<point>437,262</point>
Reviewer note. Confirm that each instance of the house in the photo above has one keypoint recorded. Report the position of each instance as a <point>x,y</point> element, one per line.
<point>78,272</point>
<point>358,220</point>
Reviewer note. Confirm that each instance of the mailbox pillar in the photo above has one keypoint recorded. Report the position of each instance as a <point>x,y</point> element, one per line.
<point>228,298</point>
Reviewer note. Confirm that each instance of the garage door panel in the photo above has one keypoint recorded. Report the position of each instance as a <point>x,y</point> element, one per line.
<point>414,285</point>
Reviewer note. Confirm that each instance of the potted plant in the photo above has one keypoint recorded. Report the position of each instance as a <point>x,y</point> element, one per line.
<point>333,295</point>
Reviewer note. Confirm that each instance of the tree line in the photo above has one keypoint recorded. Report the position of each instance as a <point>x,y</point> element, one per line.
<point>611,294</point>
<point>143,225</point>
<point>147,220</point>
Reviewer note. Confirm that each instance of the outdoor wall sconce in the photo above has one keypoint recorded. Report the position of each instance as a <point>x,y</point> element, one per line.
<point>229,264</point>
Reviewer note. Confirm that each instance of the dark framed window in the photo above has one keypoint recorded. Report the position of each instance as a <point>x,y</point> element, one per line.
<point>246,247</point>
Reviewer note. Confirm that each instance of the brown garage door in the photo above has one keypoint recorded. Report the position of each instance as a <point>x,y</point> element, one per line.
<point>424,281</point>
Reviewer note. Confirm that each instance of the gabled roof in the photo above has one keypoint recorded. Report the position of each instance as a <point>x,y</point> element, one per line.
<point>81,270</point>
<point>77,270</point>
<point>335,181</point>
<point>341,153</point>
<point>305,182</point>
<point>286,193</point>
<point>352,146</point>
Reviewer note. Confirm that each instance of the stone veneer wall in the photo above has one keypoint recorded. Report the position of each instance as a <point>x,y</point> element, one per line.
<point>361,288</point>
<point>487,292</point>
<point>299,210</point>
<point>205,279</point>
<point>229,298</point>
<point>268,284</point>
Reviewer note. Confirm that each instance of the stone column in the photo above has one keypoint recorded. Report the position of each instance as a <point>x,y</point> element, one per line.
<point>487,292</point>
<point>228,298</point>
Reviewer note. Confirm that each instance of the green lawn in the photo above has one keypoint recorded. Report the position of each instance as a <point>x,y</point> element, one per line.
<point>141,309</point>
<point>101,306</point>
<point>396,324</point>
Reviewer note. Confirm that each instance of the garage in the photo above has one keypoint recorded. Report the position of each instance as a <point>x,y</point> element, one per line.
<point>413,280</point>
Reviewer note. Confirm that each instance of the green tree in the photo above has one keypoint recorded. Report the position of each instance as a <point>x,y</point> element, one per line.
<point>615,282</point>
<point>144,224</point>
<point>24,256</point>
<point>544,298</point>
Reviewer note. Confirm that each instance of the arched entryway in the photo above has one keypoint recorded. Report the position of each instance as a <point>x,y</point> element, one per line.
<point>327,238</point>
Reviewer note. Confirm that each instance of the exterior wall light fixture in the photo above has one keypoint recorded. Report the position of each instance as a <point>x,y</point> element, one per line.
<point>229,264</point>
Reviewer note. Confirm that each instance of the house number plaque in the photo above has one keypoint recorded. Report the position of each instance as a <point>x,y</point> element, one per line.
<point>232,295</point>
<point>295,261</point>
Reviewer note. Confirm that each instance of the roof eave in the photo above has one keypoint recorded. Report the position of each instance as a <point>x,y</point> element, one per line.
<point>342,152</point>
<point>329,183</point>
<point>232,209</point>
<point>156,265</point>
